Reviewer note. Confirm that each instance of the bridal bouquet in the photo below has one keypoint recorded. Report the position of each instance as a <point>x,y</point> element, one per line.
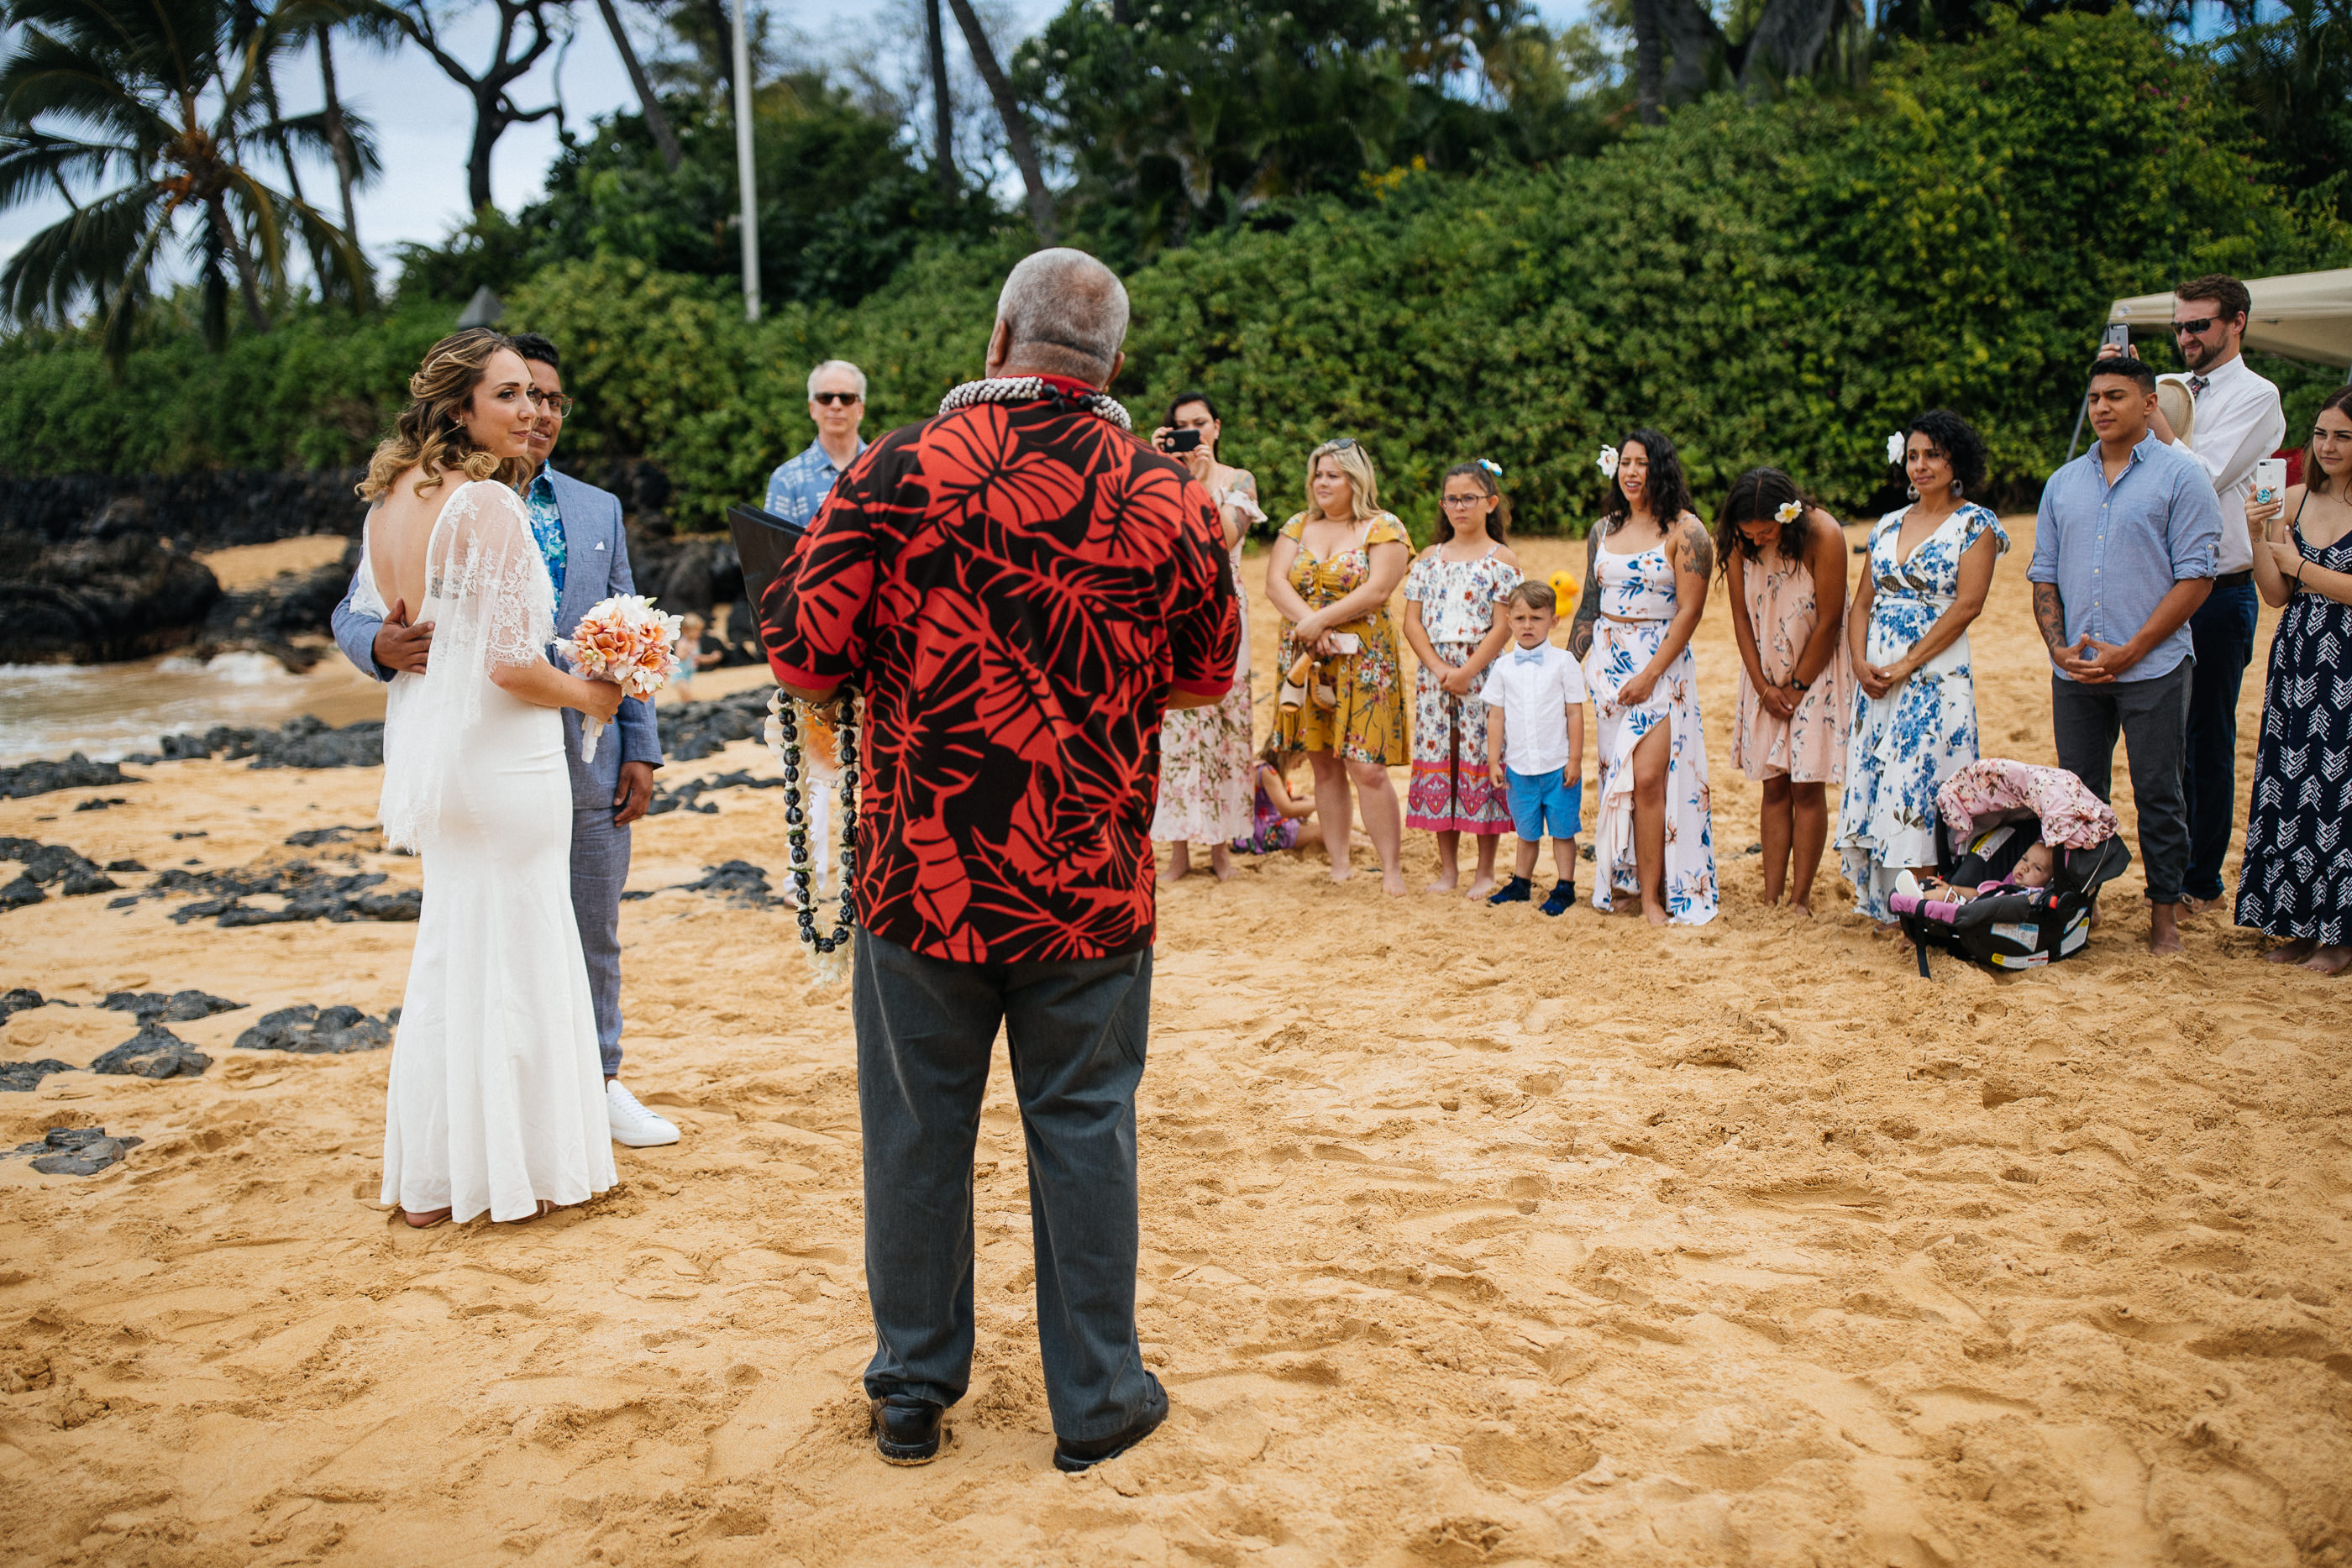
<point>626,641</point>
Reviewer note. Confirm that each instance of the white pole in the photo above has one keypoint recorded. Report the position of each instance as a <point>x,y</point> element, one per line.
<point>749,186</point>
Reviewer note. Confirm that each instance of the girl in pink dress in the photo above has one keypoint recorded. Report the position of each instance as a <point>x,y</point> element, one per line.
<point>1784,558</point>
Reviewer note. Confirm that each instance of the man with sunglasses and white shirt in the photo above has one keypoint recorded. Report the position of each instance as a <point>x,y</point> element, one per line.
<point>2238,420</point>
<point>837,402</point>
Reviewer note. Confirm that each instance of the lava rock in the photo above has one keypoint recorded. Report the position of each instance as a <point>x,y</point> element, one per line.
<point>23,1077</point>
<point>310,894</point>
<point>153,1053</point>
<point>78,1151</point>
<point>313,838</point>
<point>305,742</point>
<point>180,1006</point>
<point>688,795</point>
<point>75,772</point>
<point>20,892</point>
<point>318,1031</point>
<point>95,803</point>
<point>114,591</point>
<point>691,731</point>
<point>124,865</point>
<point>22,999</point>
<point>739,882</point>
<point>268,618</point>
<point>50,865</point>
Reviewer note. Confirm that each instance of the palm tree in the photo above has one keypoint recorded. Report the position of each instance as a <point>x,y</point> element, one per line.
<point>163,96</point>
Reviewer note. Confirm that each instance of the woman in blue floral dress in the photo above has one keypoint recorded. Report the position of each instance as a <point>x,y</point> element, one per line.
<point>1914,705</point>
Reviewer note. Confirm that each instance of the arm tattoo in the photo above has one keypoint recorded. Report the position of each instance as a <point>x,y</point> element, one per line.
<point>2049,614</point>
<point>1588,603</point>
<point>1698,550</point>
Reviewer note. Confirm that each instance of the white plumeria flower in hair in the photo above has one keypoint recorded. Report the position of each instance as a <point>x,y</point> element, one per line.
<point>1493,468</point>
<point>1788,513</point>
<point>1607,462</point>
<point>1895,447</point>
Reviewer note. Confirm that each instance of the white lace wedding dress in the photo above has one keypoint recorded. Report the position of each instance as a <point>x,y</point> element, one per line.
<point>496,1097</point>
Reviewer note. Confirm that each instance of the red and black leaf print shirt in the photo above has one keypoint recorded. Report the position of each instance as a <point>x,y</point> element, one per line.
<point>1016,588</point>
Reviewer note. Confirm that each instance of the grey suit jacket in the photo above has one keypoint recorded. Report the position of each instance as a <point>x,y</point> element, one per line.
<point>596,567</point>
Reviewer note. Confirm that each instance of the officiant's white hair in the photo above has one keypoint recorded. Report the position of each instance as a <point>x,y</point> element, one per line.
<point>1067,312</point>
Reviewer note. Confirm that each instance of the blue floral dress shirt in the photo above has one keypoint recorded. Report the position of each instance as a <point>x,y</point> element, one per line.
<point>547,528</point>
<point>798,487</point>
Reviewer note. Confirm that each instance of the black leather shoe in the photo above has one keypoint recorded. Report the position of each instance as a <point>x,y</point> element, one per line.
<point>1073,1456</point>
<point>906,1430</point>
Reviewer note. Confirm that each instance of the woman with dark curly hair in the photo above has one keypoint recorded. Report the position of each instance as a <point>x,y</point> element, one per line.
<point>1915,704</point>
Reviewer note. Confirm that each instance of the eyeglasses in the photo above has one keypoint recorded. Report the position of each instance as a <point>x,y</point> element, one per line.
<point>836,399</point>
<point>2188,328</point>
<point>555,403</point>
<point>1461,500</point>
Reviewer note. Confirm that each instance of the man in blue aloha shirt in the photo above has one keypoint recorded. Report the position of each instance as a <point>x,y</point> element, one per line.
<point>837,404</point>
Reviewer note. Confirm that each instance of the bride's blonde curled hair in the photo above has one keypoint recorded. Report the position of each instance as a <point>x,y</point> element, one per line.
<point>428,436</point>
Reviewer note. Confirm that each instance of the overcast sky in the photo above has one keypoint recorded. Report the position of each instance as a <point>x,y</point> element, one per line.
<point>424,122</point>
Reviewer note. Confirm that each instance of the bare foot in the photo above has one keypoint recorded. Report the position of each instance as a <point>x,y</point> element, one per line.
<point>1221,864</point>
<point>1444,881</point>
<point>1175,870</point>
<point>1481,888</point>
<point>1341,874</point>
<point>1802,906</point>
<point>2198,905</point>
<point>2294,952</point>
<point>1654,913</point>
<point>426,1220</point>
<point>1392,884</point>
<point>2164,930</point>
<point>2331,960</point>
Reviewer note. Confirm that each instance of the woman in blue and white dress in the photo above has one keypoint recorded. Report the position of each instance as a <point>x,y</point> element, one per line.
<point>1646,568</point>
<point>1914,705</point>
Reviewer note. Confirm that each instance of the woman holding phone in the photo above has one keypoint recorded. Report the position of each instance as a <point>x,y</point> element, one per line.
<point>2293,883</point>
<point>1208,768</point>
<point>1331,574</point>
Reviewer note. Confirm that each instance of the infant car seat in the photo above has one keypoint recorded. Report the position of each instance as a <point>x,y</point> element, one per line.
<point>1993,811</point>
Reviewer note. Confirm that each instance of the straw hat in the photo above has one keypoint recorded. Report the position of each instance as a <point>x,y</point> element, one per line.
<point>2179,408</point>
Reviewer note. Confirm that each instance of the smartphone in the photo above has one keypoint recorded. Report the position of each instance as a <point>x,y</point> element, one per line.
<point>1181,440</point>
<point>2115,339</point>
<point>1347,642</point>
<point>2270,479</point>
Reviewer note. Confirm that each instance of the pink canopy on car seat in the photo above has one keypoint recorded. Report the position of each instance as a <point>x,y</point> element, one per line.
<point>2072,817</point>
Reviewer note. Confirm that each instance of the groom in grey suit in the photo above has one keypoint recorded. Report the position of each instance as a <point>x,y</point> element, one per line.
<point>587,552</point>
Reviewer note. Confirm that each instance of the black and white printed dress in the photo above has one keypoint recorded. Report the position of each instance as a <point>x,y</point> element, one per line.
<point>2297,877</point>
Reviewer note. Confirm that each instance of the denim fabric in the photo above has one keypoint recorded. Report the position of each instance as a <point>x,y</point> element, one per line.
<point>2223,631</point>
<point>600,869</point>
<point>2153,719</point>
<point>1075,1031</point>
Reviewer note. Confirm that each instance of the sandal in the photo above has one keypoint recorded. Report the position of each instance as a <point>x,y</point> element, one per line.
<point>1293,684</point>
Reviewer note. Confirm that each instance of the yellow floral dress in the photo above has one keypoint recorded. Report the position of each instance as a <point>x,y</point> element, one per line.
<point>1369,725</point>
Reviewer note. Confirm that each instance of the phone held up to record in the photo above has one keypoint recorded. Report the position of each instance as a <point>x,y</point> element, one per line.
<point>2270,480</point>
<point>2115,339</point>
<point>1181,440</point>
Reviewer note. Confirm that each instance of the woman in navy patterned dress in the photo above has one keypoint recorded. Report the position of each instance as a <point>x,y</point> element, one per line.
<point>2296,882</point>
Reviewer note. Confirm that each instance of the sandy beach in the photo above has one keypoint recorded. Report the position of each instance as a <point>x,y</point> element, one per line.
<point>1470,1237</point>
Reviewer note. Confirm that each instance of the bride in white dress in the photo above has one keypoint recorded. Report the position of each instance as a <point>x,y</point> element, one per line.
<point>496,1096</point>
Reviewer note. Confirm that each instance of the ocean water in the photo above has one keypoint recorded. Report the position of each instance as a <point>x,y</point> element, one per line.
<point>107,711</point>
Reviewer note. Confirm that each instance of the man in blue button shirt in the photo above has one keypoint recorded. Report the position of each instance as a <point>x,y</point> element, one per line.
<point>2123,555</point>
<point>837,404</point>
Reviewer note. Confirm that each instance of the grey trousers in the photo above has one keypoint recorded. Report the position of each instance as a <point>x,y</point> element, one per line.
<point>600,870</point>
<point>926,1030</point>
<point>2152,716</point>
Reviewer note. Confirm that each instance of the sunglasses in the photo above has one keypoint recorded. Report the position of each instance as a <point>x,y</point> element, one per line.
<point>1337,443</point>
<point>2187,328</point>
<point>835,399</point>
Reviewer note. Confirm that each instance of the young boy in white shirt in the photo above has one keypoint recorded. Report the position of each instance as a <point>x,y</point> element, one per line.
<point>1535,744</point>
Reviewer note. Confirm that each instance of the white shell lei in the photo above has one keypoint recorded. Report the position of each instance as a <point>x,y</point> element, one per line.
<point>1030,389</point>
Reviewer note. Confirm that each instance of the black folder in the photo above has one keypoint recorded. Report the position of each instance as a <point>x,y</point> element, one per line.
<point>763,543</point>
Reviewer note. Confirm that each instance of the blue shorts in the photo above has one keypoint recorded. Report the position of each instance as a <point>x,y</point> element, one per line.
<point>1540,800</point>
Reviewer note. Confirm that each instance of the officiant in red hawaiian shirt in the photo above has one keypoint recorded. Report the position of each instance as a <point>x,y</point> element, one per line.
<point>1021,588</point>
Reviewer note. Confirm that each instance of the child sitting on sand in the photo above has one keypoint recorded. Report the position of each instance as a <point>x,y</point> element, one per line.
<point>1535,744</point>
<point>1278,820</point>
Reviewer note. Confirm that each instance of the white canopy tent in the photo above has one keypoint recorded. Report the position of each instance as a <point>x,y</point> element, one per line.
<point>2303,316</point>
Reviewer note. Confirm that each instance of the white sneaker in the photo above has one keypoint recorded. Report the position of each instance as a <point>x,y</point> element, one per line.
<point>633,1125</point>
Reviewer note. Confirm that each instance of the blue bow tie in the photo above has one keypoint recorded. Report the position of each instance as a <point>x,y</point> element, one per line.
<point>1528,656</point>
